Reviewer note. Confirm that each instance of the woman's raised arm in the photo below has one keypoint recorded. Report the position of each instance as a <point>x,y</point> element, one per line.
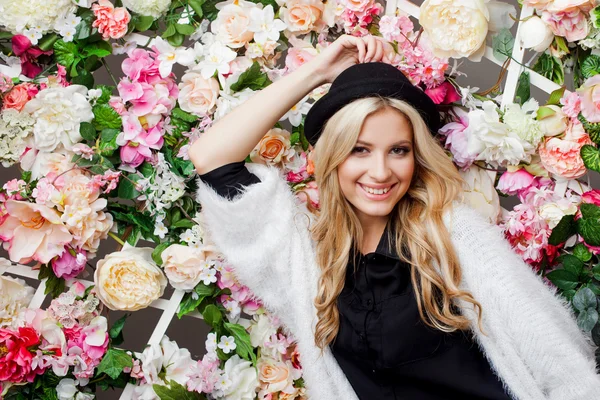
<point>236,134</point>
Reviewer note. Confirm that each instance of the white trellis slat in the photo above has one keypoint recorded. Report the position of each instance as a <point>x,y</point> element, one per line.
<point>169,306</point>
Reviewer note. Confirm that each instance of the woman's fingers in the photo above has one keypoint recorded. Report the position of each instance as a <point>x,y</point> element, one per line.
<point>360,45</point>
<point>371,48</point>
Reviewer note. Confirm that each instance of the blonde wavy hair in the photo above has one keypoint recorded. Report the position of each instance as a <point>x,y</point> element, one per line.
<point>421,237</point>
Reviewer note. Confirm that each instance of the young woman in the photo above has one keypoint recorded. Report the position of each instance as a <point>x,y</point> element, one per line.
<point>394,289</point>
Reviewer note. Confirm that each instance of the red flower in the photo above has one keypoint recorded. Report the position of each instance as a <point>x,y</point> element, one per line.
<point>15,356</point>
<point>22,48</point>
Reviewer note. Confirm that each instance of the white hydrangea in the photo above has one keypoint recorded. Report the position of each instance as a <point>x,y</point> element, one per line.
<point>522,120</point>
<point>58,112</point>
<point>15,295</point>
<point>39,15</point>
<point>152,8</point>
<point>15,129</point>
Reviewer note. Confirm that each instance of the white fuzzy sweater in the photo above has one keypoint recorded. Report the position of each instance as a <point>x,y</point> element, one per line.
<point>532,342</point>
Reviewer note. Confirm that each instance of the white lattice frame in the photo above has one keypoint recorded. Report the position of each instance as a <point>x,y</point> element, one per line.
<point>170,306</point>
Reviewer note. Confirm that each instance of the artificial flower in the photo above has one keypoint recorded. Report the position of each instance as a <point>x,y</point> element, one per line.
<point>535,34</point>
<point>198,95</point>
<point>153,8</point>
<point>183,265</point>
<point>15,295</point>
<point>273,148</point>
<point>110,21</point>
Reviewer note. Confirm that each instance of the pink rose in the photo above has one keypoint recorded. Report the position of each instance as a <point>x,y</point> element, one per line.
<point>302,16</point>
<point>298,56</point>
<point>198,95</point>
<point>15,357</point>
<point>590,98</point>
<point>34,232</point>
<point>19,96</point>
<point>309,193</point>
<point>110,21</point>
<point>561,156</point>
<point>512,182</point>
<point>69,265</point>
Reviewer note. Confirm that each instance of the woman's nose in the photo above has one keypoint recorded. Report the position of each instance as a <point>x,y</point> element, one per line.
<point>379,169</point>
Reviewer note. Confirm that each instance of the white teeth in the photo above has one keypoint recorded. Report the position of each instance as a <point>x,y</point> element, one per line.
<point>376,191</point>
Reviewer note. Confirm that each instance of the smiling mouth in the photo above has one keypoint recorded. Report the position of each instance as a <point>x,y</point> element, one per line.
<point>376,191</point>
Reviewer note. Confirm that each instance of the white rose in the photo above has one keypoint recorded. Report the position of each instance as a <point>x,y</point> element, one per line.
<point>198,95</point>
<point>554,124</point>
<point>243,377</point>
<point>261,330</point>
<point>481,194</point>
<point>457,28</point>
<point>554,212</point>
<point>183,265</point>
<point>66,389</point>
<point>15,295</point>
<point>176,362</point>
<point>276,376</point>
<point>128,279</point>
<point>535,34</point>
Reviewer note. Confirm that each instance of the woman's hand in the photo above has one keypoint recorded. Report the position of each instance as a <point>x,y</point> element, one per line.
<point>349,50</point>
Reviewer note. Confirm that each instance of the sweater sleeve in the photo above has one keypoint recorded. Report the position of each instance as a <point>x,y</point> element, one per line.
<point>229,179</point>
<point>255,231</point>
<point>528,320</point>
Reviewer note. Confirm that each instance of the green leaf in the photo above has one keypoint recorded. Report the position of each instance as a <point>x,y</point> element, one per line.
<point>203,290</point>
<point>47,42</point>
<point>176,39</point>
<point>99,49</point>
<point>54,285</point>
<point>126,188</point>
<point>294,138</point>
<point>581,252</point>
<point>185,29</point>
<point>596,272</point>
<point>157,252</point>
<point>65,53</point>
<point>590,66</point>
<point>212,315</point>
<point>584,299</point>
<point>106,117</point>
<point>589,225</point>
<point>49,394</point>
<point>544,112</point>
<point>170,31</point>
<point>108,141</point>
<point>116,331</point>
<point>188,304</point>
<point>242,341</point>
<point>587,319</point>
<point>502,44</point>
<point>591,157</point>
<point>596,335</point>
<point>252,78</point>
<point>523,88</point>
<point>572,263</point>
<point>106,93</point>
<point>182,115</point>
<point>197,6</point>
<point>563,279</point>
<point>144,23</point>
<point>175,391</point>
<point>87,131</point>
<point>210,10</point>
<point>591,128</point>
<point>550,67</point>
<point>146,169</point>
<point>564,230</point>
<point>113,363</point>
<point>183,223</point>
<point>84,78</point>
<point>555,96</point>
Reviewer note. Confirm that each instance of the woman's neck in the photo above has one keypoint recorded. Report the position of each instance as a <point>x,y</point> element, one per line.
<point>372,233</point>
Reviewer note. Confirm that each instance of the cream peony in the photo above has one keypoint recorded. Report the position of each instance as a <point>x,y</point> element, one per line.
<point>553,212</point>
<point>153,8</point>
<point>243,379</point>
<point>43,15</point>
<point>128,279</point>
<point>232,26</point>
<point>554,124</point>
<point>198,95</point>
<point>14,296</point>
<point>481,194</point>
<point>183,265</point>
<point>58,112</point>
<point>535,34</point>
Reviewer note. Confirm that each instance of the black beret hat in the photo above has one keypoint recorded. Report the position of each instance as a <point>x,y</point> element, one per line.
<point>364,80</point>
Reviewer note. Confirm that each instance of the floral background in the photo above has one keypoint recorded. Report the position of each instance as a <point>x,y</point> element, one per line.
<point>100,101</point>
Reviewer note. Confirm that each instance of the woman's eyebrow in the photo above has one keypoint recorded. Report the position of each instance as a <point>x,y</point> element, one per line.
<point>393,144</point>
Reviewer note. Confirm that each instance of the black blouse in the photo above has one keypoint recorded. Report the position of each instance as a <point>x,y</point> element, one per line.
<point>383,346</point>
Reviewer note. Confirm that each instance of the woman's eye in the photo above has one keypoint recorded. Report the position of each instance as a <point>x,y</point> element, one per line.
<point>358,149</point>
<point>400,150</point>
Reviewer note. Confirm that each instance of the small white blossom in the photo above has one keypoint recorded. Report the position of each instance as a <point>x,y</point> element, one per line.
<point>227,344</point>
<point>33,35</point>
<point>218,58</point>
<point>208,276</point>
<point>297,111</point>
<point>264,25</point>
<point>169,55</point>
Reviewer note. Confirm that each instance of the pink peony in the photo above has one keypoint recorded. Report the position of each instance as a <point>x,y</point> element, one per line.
<point>34,232</point>
<point>561,156</point>
<point>110,21</point>
<point>570,23</point>
<point>15,356</point>
<point>510,183</point>
<point>69,264</point>
<point>19,96</point>
<point>443,94</point>
<point>590,98</point>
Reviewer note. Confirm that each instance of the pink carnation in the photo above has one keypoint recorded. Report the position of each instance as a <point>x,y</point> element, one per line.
<point>571,104</point>
<point>512,182</point>
<point>110,21</point>
<point>561,156</point>
<point>15,357</point>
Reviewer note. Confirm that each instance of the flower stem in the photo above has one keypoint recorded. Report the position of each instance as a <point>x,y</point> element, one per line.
<point>109,72</point>
<point>117,239</point>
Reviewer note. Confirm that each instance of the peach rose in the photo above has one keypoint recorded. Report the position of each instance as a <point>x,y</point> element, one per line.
<point>19,96</point>
<point>110,21</point>
<point>358,6</point>
<point>589,93</point>
<point>298,56</point>
<point>183,265</point>
<point>231,26</point>
<point>276,376</point>
<point>561,156</point>
<point>302,16</point>
<point>273,148</point>
<point>198,95</point>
